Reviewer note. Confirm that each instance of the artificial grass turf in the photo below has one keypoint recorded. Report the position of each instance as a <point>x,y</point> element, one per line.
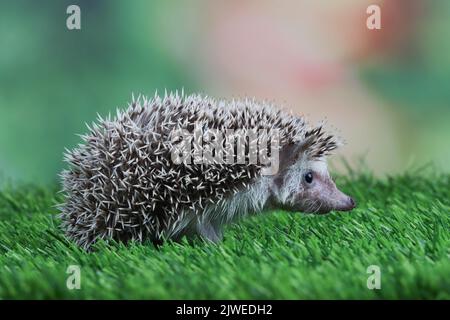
<point>402,225</point>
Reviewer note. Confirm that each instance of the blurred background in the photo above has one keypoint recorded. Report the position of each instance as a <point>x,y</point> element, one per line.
<point>386,91</point>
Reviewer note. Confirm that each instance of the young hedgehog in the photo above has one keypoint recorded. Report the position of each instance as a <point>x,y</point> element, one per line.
<point>124,184</point>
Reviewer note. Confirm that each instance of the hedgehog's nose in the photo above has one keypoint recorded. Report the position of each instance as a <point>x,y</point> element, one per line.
<point>347,205</point>
<point>352,202</point>
<point>342,201</point>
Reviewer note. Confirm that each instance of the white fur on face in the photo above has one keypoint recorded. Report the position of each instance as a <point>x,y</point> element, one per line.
<point>319,166</point>
<point>292,183</point>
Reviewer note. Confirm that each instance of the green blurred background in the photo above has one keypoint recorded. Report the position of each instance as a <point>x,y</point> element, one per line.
<point>54,80</point>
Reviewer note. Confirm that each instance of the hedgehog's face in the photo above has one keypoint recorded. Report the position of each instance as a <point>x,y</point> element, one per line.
<point>306,186</point>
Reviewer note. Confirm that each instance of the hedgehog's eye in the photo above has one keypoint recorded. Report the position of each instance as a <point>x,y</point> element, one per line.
<point>309,177</point>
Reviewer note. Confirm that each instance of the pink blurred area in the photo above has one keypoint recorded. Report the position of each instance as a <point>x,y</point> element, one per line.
<point>304,56</point>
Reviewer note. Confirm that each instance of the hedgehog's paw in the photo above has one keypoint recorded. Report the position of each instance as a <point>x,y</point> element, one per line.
<point>207,231</point>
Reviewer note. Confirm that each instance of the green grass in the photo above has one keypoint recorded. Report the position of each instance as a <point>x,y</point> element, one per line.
<point>402,225</point>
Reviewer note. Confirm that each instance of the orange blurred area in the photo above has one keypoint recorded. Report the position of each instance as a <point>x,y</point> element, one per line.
<point>307,56</point>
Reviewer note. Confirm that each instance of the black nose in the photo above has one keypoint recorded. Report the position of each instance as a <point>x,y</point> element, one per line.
<point>352,202</point>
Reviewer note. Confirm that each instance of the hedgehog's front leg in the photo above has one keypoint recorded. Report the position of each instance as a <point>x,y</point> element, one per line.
<point>208,232</point>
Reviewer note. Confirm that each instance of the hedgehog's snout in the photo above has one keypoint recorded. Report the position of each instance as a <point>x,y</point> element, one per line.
<point>348,205</point>
<point>352,203</point>
<point>340,201</point>
<point>324,197</point>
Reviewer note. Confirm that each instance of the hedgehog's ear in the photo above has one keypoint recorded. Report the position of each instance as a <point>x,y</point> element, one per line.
<point>292,152</point>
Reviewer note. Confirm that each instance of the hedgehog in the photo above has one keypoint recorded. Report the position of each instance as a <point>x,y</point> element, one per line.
<point>134,177</point>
